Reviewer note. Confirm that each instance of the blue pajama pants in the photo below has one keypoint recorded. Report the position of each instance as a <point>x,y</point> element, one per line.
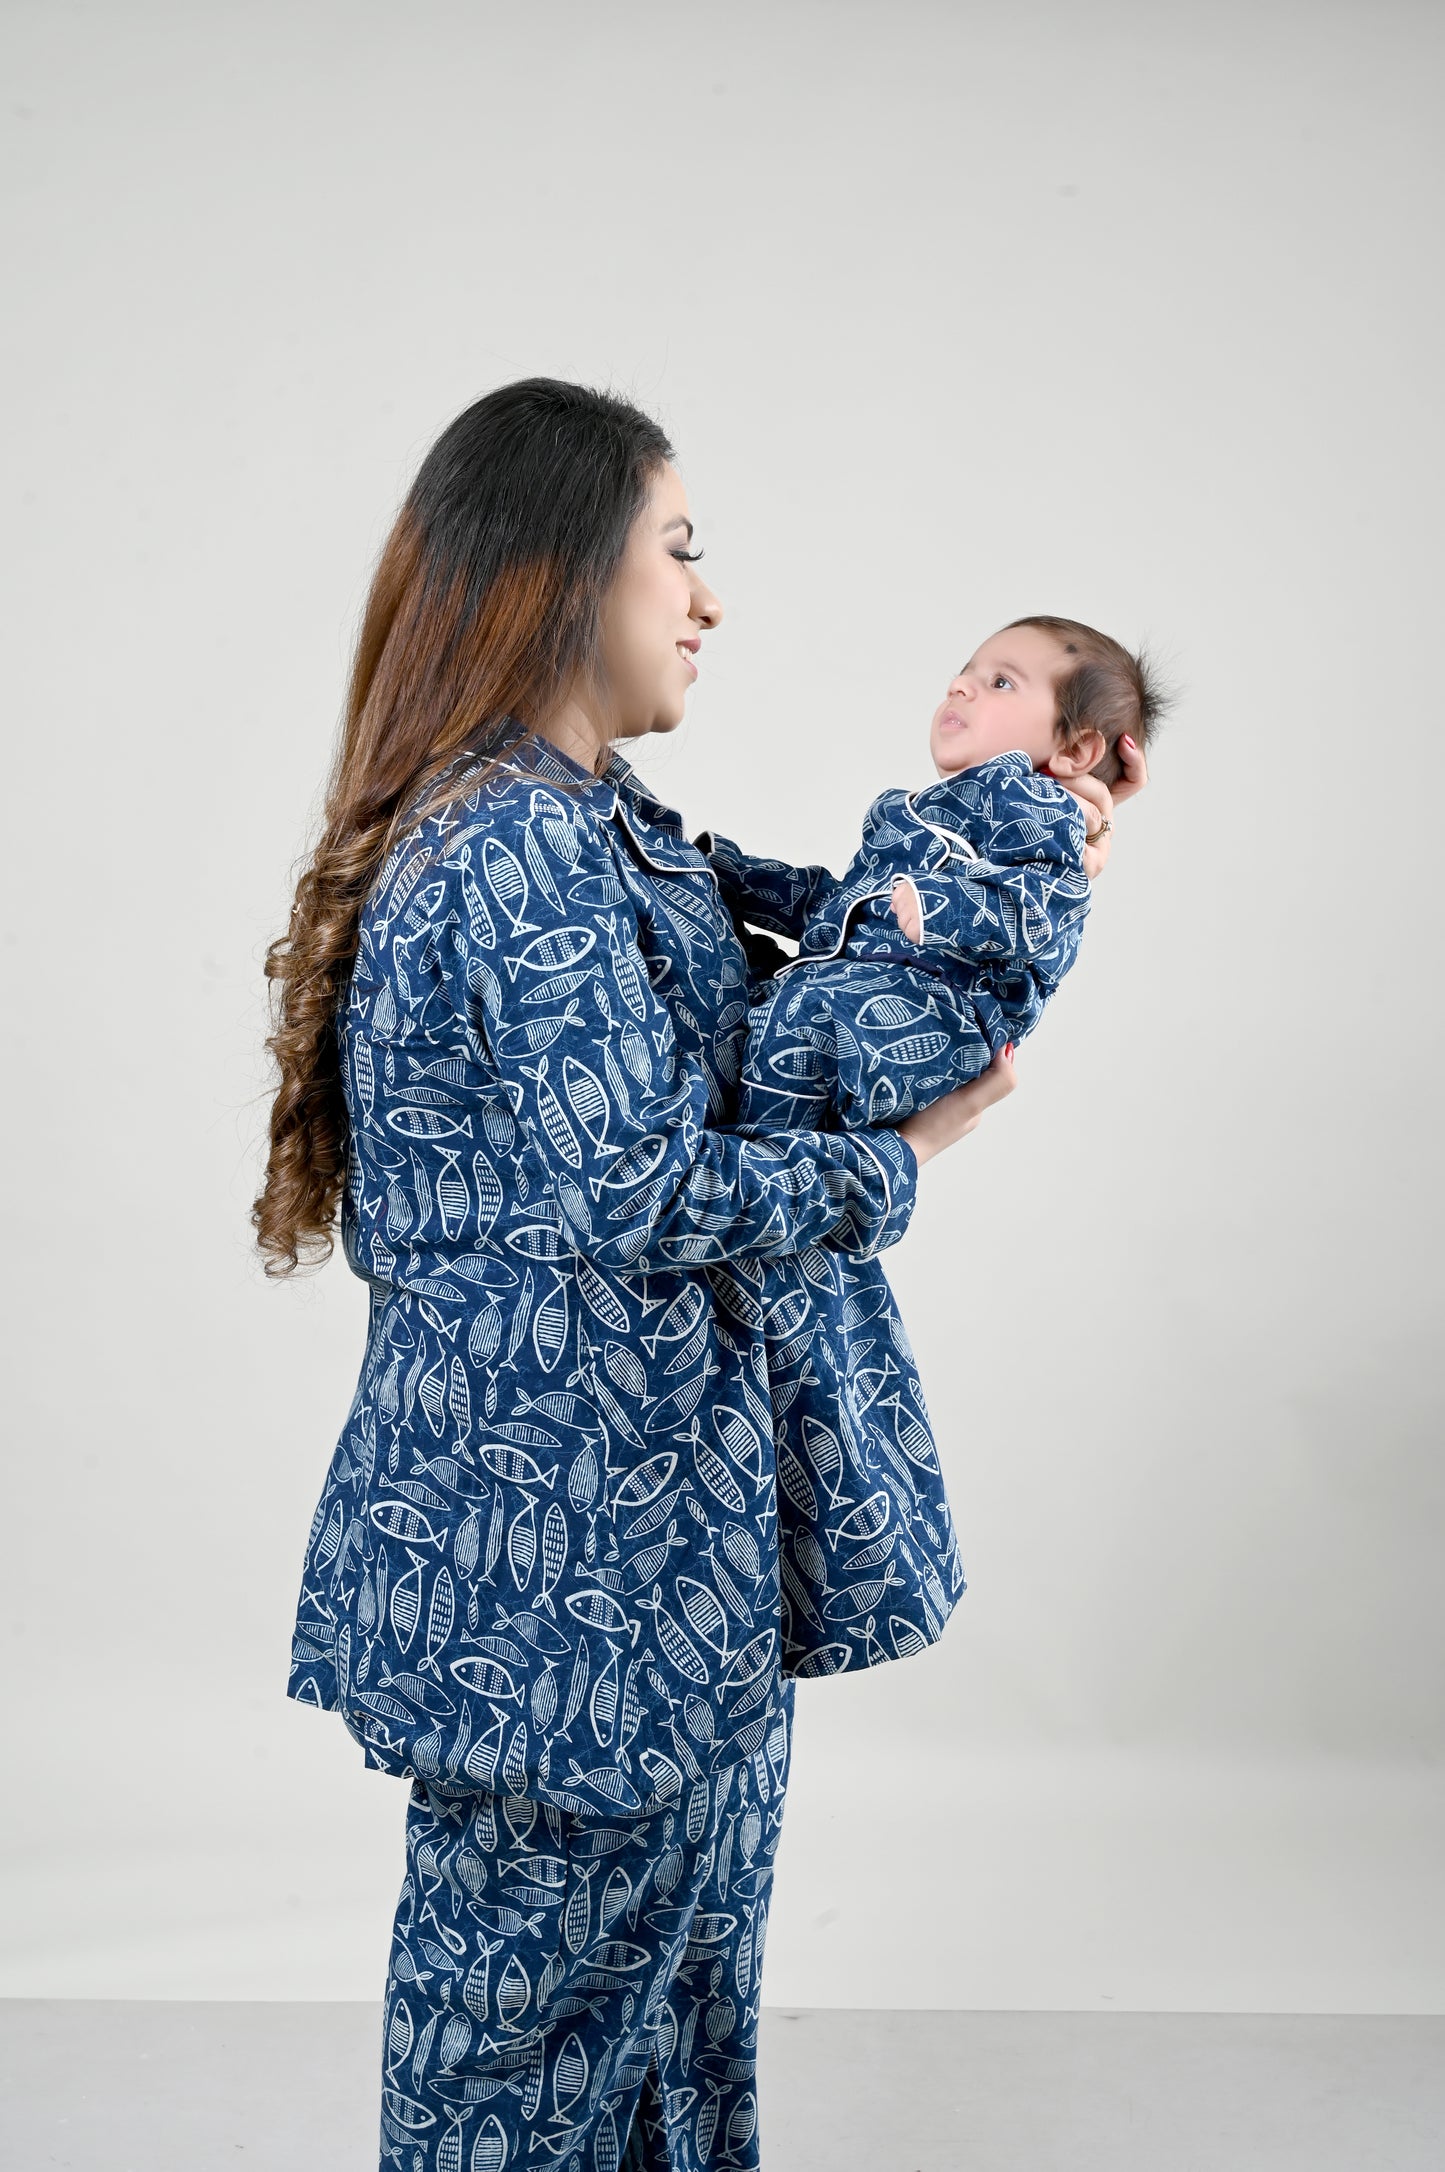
<point>582,1995</point>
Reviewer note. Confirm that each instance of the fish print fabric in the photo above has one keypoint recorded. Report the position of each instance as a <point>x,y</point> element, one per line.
<point>637,1433</point>
<point>863,1026</point>
<point>582,1995</point>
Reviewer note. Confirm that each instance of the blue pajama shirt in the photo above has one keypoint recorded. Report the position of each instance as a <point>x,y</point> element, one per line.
<point>862,1027</point>
<point>637,1435</point>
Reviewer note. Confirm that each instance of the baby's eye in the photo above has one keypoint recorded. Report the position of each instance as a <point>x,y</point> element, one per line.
<point>1000,680</point>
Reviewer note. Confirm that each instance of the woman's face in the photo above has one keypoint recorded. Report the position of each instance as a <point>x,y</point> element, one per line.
<point>653,618</point>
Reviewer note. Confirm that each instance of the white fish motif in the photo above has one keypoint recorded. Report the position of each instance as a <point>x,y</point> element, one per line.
<point>430,1124</point>
<point>534,1035</point>
<point>588,1100</point>
<point>522,1543</point>
<point>602,1704</point>
<point>488,1677</point>
<point>399,1520</point>
<point>517,1465</point>
<point>441,1613</point>
<point>599,1610</point>
<point>552,952</point>
<point>643,1484</point>
<point>549,1326</point>
<point>507,880</point>
<point>742,1441</point>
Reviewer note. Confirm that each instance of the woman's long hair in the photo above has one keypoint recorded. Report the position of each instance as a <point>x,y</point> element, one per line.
<point>483,612</point>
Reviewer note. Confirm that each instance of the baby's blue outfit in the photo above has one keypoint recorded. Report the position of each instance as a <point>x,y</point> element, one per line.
<point>863,1026</point>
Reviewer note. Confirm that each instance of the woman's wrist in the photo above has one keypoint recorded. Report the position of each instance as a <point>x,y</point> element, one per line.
<point>913,1140</point>
<point>928,1131</point>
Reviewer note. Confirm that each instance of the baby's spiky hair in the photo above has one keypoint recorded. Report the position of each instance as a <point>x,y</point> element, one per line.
<point>1104,688</point>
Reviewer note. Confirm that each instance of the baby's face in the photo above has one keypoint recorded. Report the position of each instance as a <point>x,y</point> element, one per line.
<point>1003,698</point>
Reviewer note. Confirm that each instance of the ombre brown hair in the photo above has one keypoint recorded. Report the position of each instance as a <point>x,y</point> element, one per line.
<point>1103,688</point>
<point>483,613</point>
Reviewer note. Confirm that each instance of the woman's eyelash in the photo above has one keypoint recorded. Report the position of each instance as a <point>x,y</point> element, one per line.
<point>687,556</point>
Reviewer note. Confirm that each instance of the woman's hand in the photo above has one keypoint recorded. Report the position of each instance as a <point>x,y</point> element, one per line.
<point>1098,802</point>
<point>1136,770</point>
<point>928,1131</point>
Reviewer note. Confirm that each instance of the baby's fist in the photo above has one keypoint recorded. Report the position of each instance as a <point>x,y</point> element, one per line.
<point>906,910</point>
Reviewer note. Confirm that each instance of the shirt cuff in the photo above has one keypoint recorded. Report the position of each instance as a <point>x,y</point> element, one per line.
<point>864,1235</point>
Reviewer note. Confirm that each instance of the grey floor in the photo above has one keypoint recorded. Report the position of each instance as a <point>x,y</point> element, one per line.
<point>154,2087</point>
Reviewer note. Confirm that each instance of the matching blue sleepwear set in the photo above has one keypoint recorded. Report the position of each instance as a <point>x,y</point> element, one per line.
<point>638,1436</point>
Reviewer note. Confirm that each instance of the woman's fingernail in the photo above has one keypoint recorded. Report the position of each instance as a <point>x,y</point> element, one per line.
<point>1008,1048</point>
<point>1127,740</point>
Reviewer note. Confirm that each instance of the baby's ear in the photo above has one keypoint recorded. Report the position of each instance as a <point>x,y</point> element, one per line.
<point>1080,756</point>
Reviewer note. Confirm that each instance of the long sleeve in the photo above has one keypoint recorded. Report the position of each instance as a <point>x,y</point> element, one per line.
<point>612,1086</point>
<point>1021,896</point>
<point>764,893</point>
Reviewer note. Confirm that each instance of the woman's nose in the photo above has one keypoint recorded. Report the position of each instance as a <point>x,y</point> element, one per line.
<point>705,606</point>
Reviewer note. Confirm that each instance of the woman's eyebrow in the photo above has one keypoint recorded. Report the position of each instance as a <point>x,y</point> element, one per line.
<point>679,522</point>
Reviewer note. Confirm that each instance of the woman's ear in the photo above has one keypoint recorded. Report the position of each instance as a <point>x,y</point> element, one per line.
<point>1080,756</point>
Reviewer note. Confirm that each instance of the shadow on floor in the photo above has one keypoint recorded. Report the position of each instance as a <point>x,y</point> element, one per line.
<point>151,2086</point>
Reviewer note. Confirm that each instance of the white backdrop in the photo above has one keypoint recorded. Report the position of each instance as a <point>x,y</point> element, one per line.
<point>954,313</point>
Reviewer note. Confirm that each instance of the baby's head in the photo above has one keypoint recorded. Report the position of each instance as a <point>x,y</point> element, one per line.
<point>1062,693</point>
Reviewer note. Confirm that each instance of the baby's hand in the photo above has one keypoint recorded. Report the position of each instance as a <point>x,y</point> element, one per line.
<point>905,910</point>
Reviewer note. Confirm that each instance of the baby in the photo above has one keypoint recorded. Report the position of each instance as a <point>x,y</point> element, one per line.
<point>956,920</point>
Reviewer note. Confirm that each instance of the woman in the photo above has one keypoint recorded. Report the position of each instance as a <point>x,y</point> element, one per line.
<point>543,1580</point>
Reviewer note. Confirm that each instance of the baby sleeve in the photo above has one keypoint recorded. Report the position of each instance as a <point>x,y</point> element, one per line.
<point>614,1108</point>
<point>764,893</point>
<point>1012,889</point>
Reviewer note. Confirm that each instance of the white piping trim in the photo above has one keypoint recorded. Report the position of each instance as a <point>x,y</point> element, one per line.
<point>955,847</point>
<point>954,842</point>
<point>825,957</point>
<point>662,867</point>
